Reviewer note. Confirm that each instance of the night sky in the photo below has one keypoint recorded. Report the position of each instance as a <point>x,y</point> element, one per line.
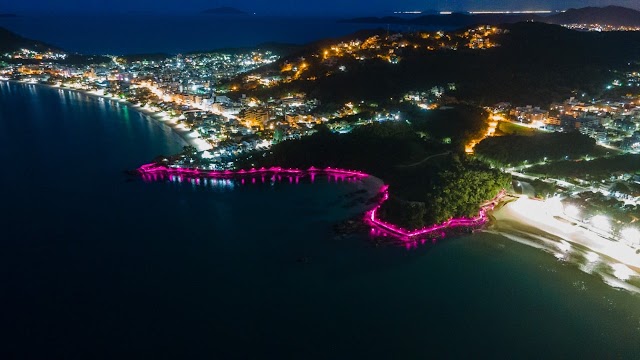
<point>294,6</point>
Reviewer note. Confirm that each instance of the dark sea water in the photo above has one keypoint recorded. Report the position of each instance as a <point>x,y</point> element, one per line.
<point>126,34</point>
<point>94,264</point>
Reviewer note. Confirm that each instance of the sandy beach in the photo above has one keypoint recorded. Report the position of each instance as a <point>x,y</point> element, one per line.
<point>530,222</point>
<point>190,137</point>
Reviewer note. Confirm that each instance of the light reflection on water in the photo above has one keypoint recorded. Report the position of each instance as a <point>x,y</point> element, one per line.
<point>612,272</point>
<point>197,271</point>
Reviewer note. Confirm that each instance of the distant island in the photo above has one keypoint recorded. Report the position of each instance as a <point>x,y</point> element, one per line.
<point>225,10</point>
<point>609,15</point>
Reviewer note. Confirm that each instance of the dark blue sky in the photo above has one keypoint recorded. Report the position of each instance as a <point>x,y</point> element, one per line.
<point>295,6</point>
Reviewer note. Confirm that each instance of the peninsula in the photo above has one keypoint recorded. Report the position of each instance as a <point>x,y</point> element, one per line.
<point>445,142</point>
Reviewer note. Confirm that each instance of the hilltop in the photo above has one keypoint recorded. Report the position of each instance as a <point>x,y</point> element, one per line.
<point>10,41</point>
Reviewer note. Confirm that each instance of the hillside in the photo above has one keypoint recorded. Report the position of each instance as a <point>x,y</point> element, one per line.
<point>610,15</point>
<point>536,64</point>
<point>10,41</point>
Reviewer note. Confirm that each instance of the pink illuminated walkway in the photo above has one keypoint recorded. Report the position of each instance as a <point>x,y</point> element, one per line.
<point>153,172</point>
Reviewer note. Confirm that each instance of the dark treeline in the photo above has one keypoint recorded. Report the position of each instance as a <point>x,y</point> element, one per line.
<point>597,169</point>
<point>446,186</point>
<point>459,124</point>
<point>516,149</point>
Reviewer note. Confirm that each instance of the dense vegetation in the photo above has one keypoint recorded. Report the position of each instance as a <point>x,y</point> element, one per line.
<point>443,187</point>
<point>597,169</point>
<point>516,149</point>
<point>459,124</point>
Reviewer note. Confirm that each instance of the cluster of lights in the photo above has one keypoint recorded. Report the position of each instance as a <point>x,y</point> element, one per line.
<point>601,27</point>
<point>630,235</point>
<point>156,169</point>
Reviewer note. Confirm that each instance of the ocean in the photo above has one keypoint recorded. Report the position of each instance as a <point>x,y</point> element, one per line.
<point>137,34</point>
<point>97,264</point>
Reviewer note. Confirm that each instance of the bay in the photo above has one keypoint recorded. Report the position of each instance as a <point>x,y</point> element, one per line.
<point>119,34</point>
<point>96,264</point>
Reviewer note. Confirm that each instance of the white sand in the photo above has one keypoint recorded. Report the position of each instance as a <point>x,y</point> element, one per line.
<point>532,217</point>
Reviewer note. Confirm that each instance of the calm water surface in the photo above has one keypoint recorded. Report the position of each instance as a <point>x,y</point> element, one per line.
<point>94,264</point>
<point>126,34</point>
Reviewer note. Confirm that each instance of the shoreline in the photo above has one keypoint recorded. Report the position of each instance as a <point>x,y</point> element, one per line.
<point>528,222</point>
<point>189,137</point>
<point>507,218</point>
<point>150,172</point>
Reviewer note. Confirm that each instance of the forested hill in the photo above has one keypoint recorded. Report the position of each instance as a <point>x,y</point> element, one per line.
<point>535,64</point>
<point>10,41</point>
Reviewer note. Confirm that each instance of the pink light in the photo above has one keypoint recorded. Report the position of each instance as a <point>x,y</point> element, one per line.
<point>149,171</point>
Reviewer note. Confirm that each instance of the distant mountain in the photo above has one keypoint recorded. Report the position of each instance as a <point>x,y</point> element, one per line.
<point>610,15</point>
<point>10,41</point>
<point>455,20</point>
<point>225,10</point>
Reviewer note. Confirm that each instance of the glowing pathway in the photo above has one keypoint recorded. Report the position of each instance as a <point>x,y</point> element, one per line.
<point>154,172</point>
<point>410,235</point>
